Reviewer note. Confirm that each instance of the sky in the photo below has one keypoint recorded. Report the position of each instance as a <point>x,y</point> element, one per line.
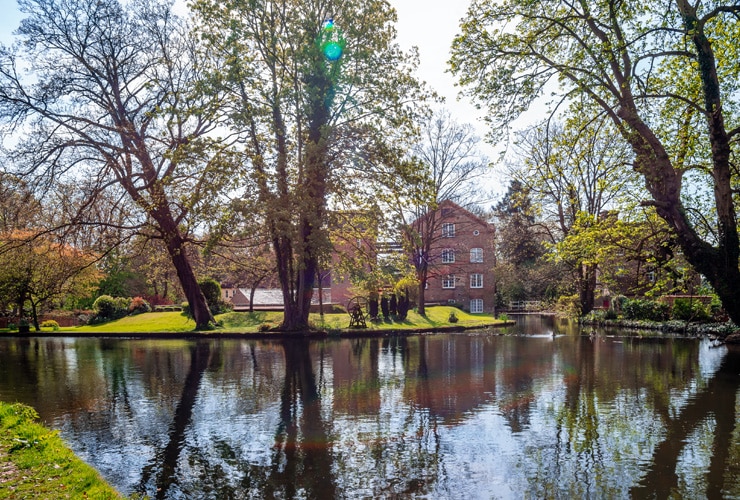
<point>429,25</point>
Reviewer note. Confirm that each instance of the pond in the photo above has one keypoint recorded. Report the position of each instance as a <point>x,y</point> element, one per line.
<point>548,412</point>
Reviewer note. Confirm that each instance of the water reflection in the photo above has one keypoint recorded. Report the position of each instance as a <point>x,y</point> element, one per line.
<point>445,416</point>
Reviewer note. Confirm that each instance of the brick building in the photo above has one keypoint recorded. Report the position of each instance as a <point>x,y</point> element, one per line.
<point>461,259</point>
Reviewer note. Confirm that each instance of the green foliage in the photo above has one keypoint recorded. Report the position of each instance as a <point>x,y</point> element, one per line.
<point>687,309</point>
<point>212,291</point>
<point>50,323</point>
<point>651,310</point>
<point>678,113</point>
<point>105,306</point>
<point>569,305</point>
<point>317,130</point>
<point>108,308</point>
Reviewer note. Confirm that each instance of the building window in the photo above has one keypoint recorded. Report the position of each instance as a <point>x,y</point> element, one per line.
<point>476,280</point>
<point>476,232</point>
<point>448,230</point>
<point>446,212</point>
<point>448,281</point>
<point>476,255</point>
<point>448,256</point>
<point>476,306</point>
<point>651,276</point>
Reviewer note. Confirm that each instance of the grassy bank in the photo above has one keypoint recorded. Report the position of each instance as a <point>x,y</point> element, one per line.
<point>242,322</point>
<point>35,463</point>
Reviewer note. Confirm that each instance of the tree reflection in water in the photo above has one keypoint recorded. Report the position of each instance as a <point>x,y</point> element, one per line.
<point>443,416</point>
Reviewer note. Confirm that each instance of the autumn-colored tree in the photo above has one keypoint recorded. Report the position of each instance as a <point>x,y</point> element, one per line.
<point>37,271</point>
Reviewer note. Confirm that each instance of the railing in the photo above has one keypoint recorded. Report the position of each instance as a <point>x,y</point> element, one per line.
<point>525,305</point>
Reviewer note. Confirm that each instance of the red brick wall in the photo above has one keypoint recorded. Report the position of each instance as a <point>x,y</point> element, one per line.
<point>470,232</point>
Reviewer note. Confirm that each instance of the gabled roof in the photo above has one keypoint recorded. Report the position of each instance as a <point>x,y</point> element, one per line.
<point>461,211</point>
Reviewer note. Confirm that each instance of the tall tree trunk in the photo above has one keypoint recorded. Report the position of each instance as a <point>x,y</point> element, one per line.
<point>196,300</point>
<point>586,288</point>
<point>421,306</point>
<point>312,193</point>
<point>718,264</point>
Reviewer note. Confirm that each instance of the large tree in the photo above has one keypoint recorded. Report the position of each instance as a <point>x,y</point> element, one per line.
<point>37,271</point>
<point>573,172</point>
<point>522,272</point>
<point>665,73</point>
<point>449,166</point>
<point>102,96</point>
<point>298,109</point>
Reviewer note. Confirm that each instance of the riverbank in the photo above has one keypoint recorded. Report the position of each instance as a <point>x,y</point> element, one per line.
<point>265,324</point>
<point>35,462</point>
<point>727,331</point>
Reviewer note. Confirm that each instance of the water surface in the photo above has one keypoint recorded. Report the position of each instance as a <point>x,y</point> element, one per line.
<point>550,413</point>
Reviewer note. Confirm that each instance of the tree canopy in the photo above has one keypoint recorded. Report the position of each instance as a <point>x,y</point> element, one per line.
<point>103,98</point>
<point>664,73</point>
<point>307,122</point>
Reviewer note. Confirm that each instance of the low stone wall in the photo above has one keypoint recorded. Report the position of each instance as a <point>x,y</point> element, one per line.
<point>64,321</point>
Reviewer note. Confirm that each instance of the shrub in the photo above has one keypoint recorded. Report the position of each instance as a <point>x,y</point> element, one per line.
<point>105,306</point>
<point>108,308</point>
<point>569,305</point>
<point>384,307</point>
<point>645,310</point>
<point>373,307</point>
<point>50,323</point>
<point>403,305</point>
<point>503,317</point>
<point>212,291</point>
<point>690,310</point>
<point>122,304</point>
<point>138,305</point>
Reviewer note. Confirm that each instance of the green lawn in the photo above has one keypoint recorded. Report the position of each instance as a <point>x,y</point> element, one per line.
<point>173,321</point>
<point>35,462</point>
<point>243,322</point>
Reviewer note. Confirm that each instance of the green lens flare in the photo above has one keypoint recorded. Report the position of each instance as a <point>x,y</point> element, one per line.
<point>332,51</point>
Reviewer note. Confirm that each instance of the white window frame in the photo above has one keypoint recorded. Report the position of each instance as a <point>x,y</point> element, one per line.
<point>476,255</point>
<point>476,280</point>
<point>476,306</point>
<point>448,256</point>
<point>448,282</point>
<point>448,230</point>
